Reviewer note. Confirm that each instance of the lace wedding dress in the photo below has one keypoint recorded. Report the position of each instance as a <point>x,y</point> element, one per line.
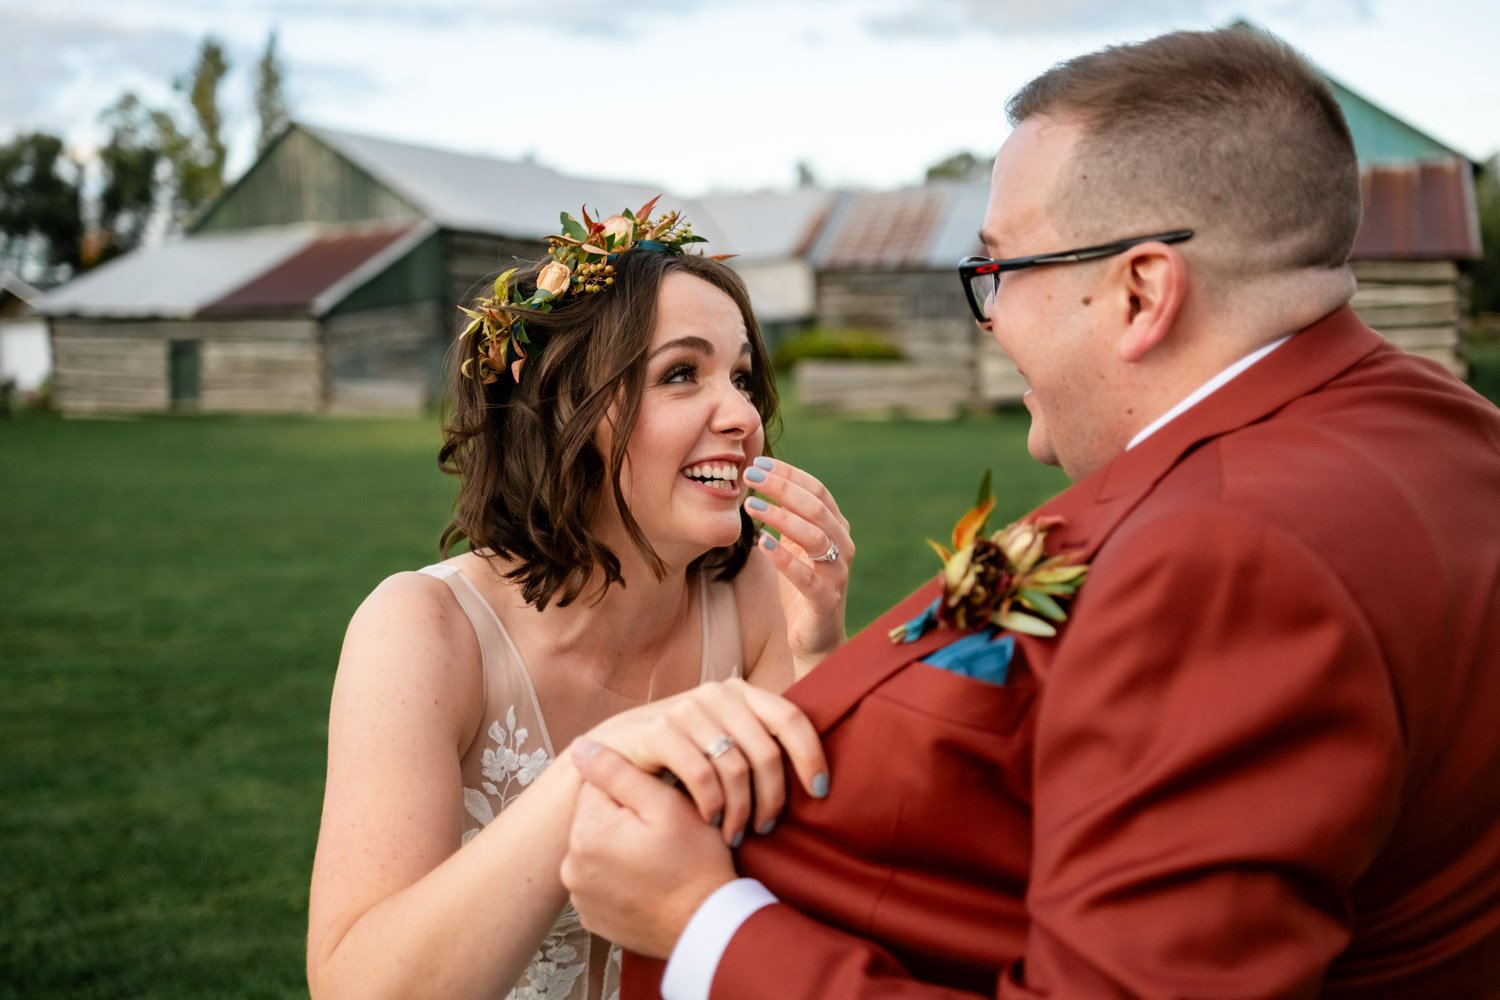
<point>515,745</point>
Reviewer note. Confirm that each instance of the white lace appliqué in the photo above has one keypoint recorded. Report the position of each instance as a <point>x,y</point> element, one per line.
<point>507,769</point>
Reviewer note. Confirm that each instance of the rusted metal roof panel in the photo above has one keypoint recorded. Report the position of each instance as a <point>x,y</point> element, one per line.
<point>1418,211</point>
<point>293,285</point>
<point>883,230</point>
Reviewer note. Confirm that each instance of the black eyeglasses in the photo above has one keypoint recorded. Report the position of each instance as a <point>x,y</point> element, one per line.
<point>981,275</point>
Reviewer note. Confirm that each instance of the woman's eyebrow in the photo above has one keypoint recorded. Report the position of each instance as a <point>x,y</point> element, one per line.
<point>695,343</point>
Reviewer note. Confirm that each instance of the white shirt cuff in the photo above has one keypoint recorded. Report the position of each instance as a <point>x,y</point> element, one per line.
<point>695,959</point>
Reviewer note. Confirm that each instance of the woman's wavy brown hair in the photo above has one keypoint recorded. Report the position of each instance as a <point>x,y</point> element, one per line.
<point>531,476</point>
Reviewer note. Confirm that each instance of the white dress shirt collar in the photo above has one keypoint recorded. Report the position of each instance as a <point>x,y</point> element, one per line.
<point>1205,390</point>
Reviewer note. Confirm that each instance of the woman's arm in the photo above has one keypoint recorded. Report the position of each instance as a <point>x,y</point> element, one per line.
<point>396,910</point>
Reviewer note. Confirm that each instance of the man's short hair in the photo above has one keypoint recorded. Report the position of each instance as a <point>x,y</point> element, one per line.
<point>1229,132</point>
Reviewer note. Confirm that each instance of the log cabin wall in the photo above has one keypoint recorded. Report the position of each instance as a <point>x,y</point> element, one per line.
<point>261,365</point>
<point>386,360</point>
<point>1417,305</point>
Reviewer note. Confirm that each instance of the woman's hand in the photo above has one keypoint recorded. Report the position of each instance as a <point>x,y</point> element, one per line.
<point>723,741</point>
<point>812,557</point>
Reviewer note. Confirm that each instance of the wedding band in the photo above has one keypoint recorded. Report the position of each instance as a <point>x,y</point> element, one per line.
<point>719,747</point>
<point>831,556</point>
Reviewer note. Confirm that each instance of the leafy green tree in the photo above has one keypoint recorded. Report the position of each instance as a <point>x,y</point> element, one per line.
<point>197,153</point>
<point>133,167</point>
<point>963,166</point>
<point>41,223</point>
<point>270,102</point>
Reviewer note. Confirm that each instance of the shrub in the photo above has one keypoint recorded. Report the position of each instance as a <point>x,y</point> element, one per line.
<point>845,344</point>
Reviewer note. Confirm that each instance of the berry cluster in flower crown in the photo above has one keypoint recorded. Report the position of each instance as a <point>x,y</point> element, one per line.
<point>582,263</point>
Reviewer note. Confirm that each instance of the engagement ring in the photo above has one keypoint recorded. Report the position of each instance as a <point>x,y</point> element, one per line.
<point>831,556</point>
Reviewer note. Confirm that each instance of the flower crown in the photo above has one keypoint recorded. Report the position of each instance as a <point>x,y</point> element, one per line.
<point>582,263</point>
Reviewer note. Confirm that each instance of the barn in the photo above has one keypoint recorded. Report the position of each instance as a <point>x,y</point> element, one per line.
<point>323,280</point>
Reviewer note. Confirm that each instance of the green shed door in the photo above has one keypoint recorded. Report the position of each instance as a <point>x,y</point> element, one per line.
<point>185,371</point>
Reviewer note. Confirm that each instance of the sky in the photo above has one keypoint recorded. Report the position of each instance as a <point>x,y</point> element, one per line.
<point>701,95</point>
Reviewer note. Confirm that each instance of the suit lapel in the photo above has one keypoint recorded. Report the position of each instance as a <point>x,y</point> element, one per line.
<point>1093,507</point>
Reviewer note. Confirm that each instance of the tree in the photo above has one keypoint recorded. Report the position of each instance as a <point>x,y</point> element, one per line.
<point>197,153</point>
<point>963,166</point>
<point>132,184</point>
<point>41,224</point>
<point>270,102</point>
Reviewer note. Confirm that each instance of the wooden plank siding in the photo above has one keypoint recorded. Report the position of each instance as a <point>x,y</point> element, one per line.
<point>386,360</point>
<point>1418,305</point>
<point>113,374</point>
<point>302,180</point>
<point>264,365</point>
<point>473,260</point>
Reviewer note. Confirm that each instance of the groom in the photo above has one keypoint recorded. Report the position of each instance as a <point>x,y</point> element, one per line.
<point>1262,758</point>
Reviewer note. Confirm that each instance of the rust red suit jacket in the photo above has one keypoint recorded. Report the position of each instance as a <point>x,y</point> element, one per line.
<point>1262,760</point>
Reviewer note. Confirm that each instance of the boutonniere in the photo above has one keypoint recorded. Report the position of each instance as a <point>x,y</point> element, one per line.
<point>1003,581</point>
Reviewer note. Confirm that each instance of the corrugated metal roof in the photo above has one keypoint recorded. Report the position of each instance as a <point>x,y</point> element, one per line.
<point>176,279</point>
<point>295,283</point>
<point>768,226</point>
<point>1421,211</point>
<point>483,194</point>
<point>924,227</point>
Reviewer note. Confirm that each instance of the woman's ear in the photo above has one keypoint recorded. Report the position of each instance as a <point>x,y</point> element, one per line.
<point>1155,280</point>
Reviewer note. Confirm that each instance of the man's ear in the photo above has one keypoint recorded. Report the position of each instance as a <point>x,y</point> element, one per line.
<point>1155,284</point>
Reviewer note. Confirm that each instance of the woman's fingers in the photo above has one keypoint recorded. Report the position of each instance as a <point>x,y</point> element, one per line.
<point>801,508</point>
<point>724,743</point>
<point>793,730</point>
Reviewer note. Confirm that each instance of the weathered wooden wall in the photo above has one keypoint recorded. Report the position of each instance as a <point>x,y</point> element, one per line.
<point>386,360</point>
<point>951,363</point>
<point>301,180</point>
<point>472,258</point>
<point>264,365</point>
<point>925,315</point>
<point>109,372</point>
<point>1417,305</point>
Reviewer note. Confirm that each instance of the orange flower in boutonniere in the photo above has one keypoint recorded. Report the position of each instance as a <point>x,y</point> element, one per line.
<point>1003,581</point>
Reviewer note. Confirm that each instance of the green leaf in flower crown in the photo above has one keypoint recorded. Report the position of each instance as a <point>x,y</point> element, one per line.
<point>692,239</point>
<point>1020,621</point>
<point>502,284</point>
<point>1043,605</point>
<point>571,227</point>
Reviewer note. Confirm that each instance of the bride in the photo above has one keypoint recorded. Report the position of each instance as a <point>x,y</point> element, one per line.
<point>609,423</point>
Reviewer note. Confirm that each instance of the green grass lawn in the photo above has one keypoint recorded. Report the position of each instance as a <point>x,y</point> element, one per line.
<point>173,593</point>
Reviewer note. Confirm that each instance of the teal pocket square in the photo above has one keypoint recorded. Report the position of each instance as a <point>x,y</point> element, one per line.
<point>978,655</point>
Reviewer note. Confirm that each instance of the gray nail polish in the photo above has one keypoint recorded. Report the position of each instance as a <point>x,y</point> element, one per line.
<point>756,503</point>
<point>755,475</point>
<point>739,838</point>
<point>718,819</point>
<point>767,827</point>
<point>820,786</point>
<point>769,541</point>
<point>764,463</point>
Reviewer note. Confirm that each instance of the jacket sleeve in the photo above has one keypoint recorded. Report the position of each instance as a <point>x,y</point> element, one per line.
<point>1217,761</point>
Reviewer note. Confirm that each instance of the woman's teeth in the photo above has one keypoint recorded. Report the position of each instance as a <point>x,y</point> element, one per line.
<point>721,476</point>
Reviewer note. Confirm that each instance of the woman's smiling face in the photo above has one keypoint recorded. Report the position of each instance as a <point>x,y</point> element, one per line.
<point>697,428</point>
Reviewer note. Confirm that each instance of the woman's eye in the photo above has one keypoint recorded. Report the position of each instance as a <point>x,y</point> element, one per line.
<point>679,373</point>
<point>744,382</point>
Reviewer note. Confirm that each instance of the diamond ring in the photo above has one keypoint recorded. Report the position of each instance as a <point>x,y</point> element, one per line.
<point>831,556</point>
